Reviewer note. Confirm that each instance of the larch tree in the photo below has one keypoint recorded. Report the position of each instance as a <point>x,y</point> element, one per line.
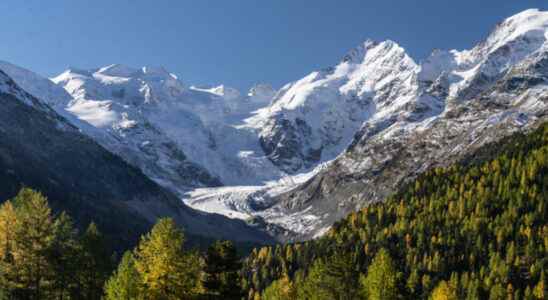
<point>34,238</point>
<point>444,291</point>
<point>381,280</point>
<point>124,283</point>
<point>222,265</point>
<point>166,272</point>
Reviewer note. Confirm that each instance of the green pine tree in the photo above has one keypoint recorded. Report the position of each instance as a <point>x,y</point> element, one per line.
<point>95,263</point>
<point>381,280</point>
<point>124,283</point>
<point>166,272</point>
<point>222,265</point>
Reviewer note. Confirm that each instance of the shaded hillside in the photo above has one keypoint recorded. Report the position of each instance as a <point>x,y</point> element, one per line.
<point>39,149</point>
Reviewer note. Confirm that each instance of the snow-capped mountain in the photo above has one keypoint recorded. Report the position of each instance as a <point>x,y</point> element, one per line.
<point>385,118</point>
<point>498,87</point>
<point>41,149</point>
<point>304,156</point>
<point>314,119</point>
<point>149,109</point>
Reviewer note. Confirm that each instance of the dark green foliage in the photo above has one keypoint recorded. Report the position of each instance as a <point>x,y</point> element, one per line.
<point>124,283</point>
<point>95,263</point>
<point>41,255</point>
<point>335,277</point>
<point>222,265</point>
<point>381,281</point>
<point>479,225</point>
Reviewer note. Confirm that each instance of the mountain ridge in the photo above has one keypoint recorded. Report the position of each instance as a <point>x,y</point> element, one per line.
<point>41,149</point>
<point>301,157</point>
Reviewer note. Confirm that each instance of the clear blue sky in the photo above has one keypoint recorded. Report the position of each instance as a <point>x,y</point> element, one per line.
<point>237,42</point>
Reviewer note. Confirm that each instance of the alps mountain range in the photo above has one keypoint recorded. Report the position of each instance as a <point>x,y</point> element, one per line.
<point>272,164</point>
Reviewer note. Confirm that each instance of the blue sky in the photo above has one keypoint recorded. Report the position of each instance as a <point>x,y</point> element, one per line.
<point>239,42</point>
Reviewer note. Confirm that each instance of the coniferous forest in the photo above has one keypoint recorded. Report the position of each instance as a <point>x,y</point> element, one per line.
<point>473,230</point>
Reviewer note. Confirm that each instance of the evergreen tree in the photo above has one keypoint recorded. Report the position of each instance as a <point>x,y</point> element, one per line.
<point>444,291</point>
<point>281,289</point>
<point>381,280</point>
<point>334,278</point>
<point>222,265</point>
<point>124,283</point>
<point>315,286</point>
<point>165,271</point>
<point>66,259</point>
<point>95,263</point>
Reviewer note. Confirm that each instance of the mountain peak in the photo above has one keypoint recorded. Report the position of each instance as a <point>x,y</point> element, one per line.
<point>228,93</point>
<point>529,15</point>
<point>357,54</point>
<point>157,72</point>
<point>118,70</point>
<point>261,91</point>
<point>531,23</point>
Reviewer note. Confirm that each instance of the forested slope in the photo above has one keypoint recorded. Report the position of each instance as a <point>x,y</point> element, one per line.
<point>476,229</point>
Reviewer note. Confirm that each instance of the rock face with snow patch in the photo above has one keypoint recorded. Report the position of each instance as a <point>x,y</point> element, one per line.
<point>491,91</point>
<point>314,119</point>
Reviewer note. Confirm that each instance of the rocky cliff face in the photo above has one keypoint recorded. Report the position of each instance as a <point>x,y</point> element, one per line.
<point>314,119</point>
<point>491,91</point>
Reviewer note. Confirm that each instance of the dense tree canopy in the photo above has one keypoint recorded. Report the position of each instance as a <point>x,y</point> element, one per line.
<point>41,255</point>
<point>221,273</point>
<point>472,230</point>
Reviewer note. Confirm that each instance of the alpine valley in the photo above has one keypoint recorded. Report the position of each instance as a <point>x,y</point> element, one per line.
<point>265,165</point>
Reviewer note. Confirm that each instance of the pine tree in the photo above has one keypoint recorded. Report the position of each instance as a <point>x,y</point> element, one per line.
<point>333,278</point>
<point>222,265</point>
<point>34,237</point>
<point>381,280</point>
<point>315,287</point>
<point>65,258</point>
<point>165,271</point>
<point>124,283</point>
<point>444,291</point>
<point>95,263</point>
<point>281,289</point>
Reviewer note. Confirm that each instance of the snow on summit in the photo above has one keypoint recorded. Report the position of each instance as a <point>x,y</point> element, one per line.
<point>259,143</point>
